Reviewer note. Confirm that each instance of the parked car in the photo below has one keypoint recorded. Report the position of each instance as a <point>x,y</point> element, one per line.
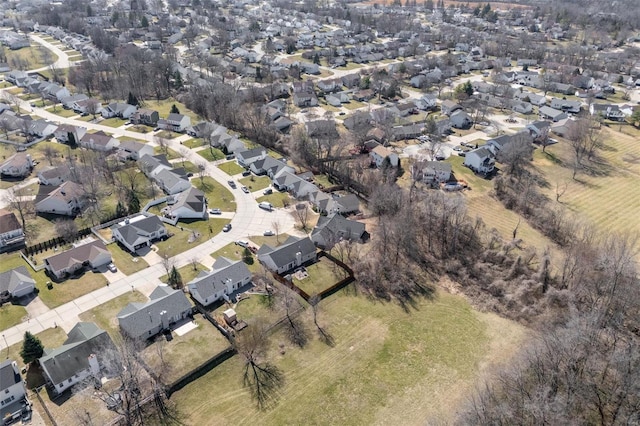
<point>245,189</point>
<point>232,184</point>
<point>242,243</point>
<point>266,206</point>
<point>268,233</point>
<point>267,191</point>
<point>440,157</point>
<point>215,211</point>
<point>246,173</point>
<point>457,148</point>
<point>230,157</point>
<point>226,228</point>
<point>112,267</point>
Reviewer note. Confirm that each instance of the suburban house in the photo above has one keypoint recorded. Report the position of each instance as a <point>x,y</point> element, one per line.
<point>13,392</point>
<point>165,307</point>
<point>246,158</point>
<point>566,105</point>
<point>607,111</point>
<point>64,131</point>
<point>132,150</point>
<point>151,165</point>
<point>147,117</point>
<point>172,181</point>
<point>139,231</point>
<point>379,153</point>
<point>539,130</point>
<point>293,184</point>
<point>19,165</point>
<point>175,122</point>
<point>87,106</point>
<point>99,141</point>
<point>67,199</point>
<point>271,167</point>
<point>552,114</point>
<point>87,352</point>
<point>54,176</point>
<point>480,160</point>
<point>448,107</point>
<point>11,232</point>
<point>329,203</point>
<point>562,127</point>
<point>93,254</point>
<point>292,253</point>
<point>332,229</point>
<point>69,101</point>
<point>15,283</point>
<point>119,109</point>
<point>226,277</point>
<point>435,171</point>
<point>460,119</point>
<point>189,204</point>
<point>427,102</point>
<point>42,128</point>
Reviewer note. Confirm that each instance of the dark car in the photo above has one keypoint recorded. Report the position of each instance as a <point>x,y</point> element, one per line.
<point>440,158</point>
<point>267,191</point>
<point>232,184</point>
<point>246,173</point>
<point>226,228</point>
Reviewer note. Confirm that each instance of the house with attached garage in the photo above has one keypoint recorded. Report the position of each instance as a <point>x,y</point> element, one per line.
<point>145,116</point>
<point>139,231</point>
<point>88,352</point>
<point>294,252</point>
<point>54,176</point>
<point>607,111</point>
<point>69,101</point>
<point>119,109</point>
<point>434,171</point>
<point>93,254</point>
<point>248,157</point>
<point>332,229</point>
<point>552,114</point>
<point>11,232</point>
<point>15,283</point>
<point>295,185</point>
<point>448,107</point>
<point>19,165</point>
<point>99,141</point>
<point>271,167</point>
<point>539,130</point>
<point>64,133</point>
<point>480,160</point>
<point>562,127</point>
<point>175,122</point>
<point>566,105</point>
<point>226,277</point>
<point>132,150</point>
<point>68,199</point>
<point>151,165</point>
<point>166,307</point>
<point>173,181</point>
<point>13,393</point>
<point>189,204</point>
<point>460,120</point>
<point>42,128</point>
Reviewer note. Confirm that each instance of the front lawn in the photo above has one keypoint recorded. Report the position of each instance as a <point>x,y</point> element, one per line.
<point>278,199</point>
<point>139,128</point>
<point>113,122</point>
<point>167,152</point>
<point>50,338</point>
<point>193,143</point>
<point>255,183</point>
<point>231,168</point>
<point>104,315</point>
<point>126,262</point>
<point>62,112</point>
<point>187,273</point>
<point>272,241</point>
<point>235,252</point>
<point>187,235</point>
<point>211,154</point>
<point>166,134</point>
<point>218,196</point>
<point>11,315</point>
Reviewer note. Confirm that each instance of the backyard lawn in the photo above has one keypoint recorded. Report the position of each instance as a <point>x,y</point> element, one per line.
<point>218,196</point>
<point>104,315</point>
<point>255,183</point>
<point>231,168</point>
<point>126,262</point>
<point>50,338</point>
<point>211,154</point>
<point>386,363</point>
<point>321,275</point>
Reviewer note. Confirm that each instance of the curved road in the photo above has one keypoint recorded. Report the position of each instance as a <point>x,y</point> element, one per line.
<point>63,58</point>
<point>248,220</point>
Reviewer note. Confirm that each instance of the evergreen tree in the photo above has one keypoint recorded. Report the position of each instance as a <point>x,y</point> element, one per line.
<point>72,140</point>
<point>175,280</point>
<point>132,100</point>
<point>144,22</point>
<point>121,210</point>
<point>133,203</point>
<point>174,109</point>
<point>177,79</point>
<point>32,348</point>
<point>316,59</point>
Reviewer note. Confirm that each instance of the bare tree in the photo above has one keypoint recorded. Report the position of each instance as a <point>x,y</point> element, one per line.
<point>93,107</point>
<point>66,229</point>
<point>290,303</point>
<point>202,172</point>
<point>314,301</point>
<point>49,153</point>
<point>162,144</point>
<point>184,153</point>
<point>302,215</point>
<point>516,154</point>
<point>21,202</point>
<point>262,378</point>
<point>276,229</point>
<point>194,262</point>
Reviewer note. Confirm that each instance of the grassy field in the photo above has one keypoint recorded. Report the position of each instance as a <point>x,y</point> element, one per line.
<point>218,196</point>
<point>164,107</point>
<point>126,262</point>
<point>386,363</point>
<point>231,168</point>
<point>104,315</point>
<point>255,183</point>
<point>32,57</point>
<point>11,315</point>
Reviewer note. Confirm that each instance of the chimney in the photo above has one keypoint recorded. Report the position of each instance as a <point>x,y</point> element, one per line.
<point>298,258</point>
<point>94,366</point>
<point>164,321</point>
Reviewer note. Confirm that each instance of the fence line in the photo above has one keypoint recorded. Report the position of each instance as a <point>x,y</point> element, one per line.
<point>46,409</point>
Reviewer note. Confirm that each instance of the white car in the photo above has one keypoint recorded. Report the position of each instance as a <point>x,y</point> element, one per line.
<point>112,267</point>
<point>268,233</point>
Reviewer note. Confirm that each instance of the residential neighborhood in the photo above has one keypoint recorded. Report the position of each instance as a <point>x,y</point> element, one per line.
<point>301,204</point>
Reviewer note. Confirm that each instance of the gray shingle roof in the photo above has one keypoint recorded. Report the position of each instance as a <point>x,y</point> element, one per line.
<point>84,340</point>
<point>135,233</point>
<point>84,253</point>
<point>213,282</point>
<point>10,279</point>
<point>286,253</point>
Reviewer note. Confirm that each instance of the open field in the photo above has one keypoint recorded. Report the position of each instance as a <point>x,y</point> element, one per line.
<point>105,315</point>
<point>386,364</point>
<point>32,57</point>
